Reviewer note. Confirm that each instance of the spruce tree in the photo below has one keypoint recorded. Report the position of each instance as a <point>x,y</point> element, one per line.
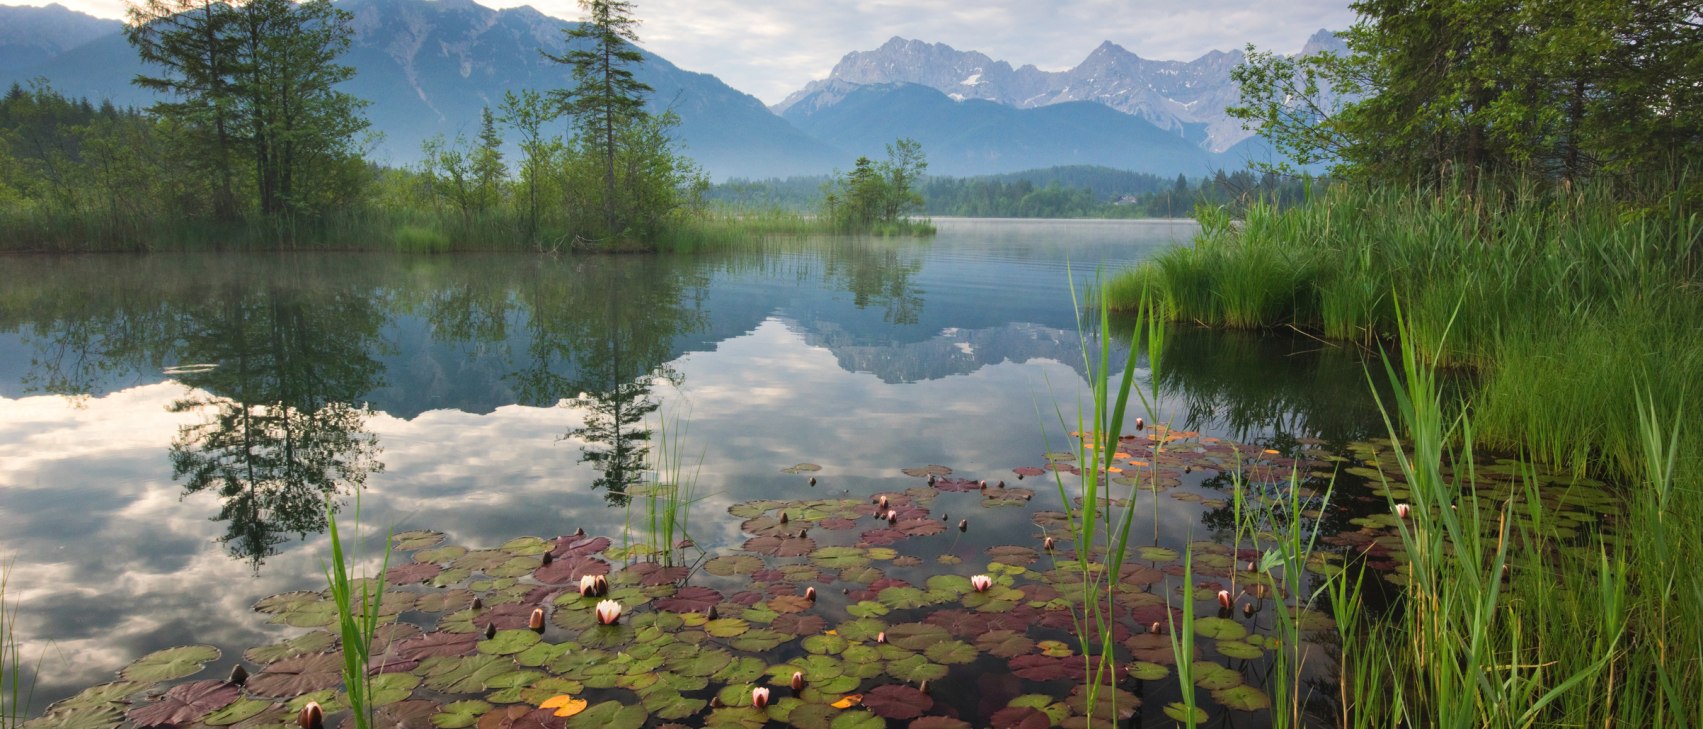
<point>606,97</point>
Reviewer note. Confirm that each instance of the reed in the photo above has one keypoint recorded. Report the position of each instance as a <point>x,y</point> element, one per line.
<point>1508,620</point>
<point>14,693</point>
<point>1555,303</point>
<point>357,597</point>
<point>1101,526</point>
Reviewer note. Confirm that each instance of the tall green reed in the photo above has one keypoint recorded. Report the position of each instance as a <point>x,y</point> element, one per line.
<point>668,496</point>
<point>1100,526</point>
<point>357,597</point>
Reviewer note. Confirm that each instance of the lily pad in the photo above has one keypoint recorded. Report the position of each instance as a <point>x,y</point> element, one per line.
<point>1147,671</point>
<point>1020,717</point>
<point>415,540</point>
<point>464,674</point>
<point>1220,628</point>
<point>897,702</point>
<point>1178,711</point>
<point>170,664</point>
<point>299,675</point>
<point>240,710</point>
<point>185,703</point>
<point>1242,698</point>
<point>802,468</point>
<point>730,565</point>
<point>317,641</point>
<point>460,714</point>
<point>926,471</point>
<point>855,719</point>
<point>1212,676</point>
<point>609,715</point>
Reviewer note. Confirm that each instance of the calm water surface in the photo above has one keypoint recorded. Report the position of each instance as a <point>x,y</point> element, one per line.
<point>169,425</point>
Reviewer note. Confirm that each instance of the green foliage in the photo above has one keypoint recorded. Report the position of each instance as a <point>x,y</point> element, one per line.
<point>874,197</point>
<point>252,101</point>
<point>1556,89</point>
<point>1539,296</point>
<point>357,598</point>
<point>14,698</point>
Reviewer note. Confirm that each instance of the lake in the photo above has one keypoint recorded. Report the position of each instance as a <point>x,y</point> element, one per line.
<point>170,424</point>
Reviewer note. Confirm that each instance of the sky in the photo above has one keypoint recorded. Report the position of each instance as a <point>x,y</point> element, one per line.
<point>771,48</point>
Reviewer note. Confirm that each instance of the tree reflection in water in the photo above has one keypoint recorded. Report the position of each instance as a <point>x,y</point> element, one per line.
<point>281,431</point>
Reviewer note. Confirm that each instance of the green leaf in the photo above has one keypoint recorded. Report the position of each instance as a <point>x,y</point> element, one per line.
<point>609,715</point>
<point>460,715</point>
<point>170,664</point>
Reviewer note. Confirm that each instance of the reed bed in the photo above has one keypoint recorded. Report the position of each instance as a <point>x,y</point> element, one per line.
<point>1557,303</point>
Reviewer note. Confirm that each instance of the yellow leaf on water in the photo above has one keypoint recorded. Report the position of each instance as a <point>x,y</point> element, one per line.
<point>831,631</point>
<point>565,705</point>
<point>848,702</point>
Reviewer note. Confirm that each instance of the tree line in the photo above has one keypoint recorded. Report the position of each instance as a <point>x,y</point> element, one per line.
<point>1554,91</point>
<point>252,131</point>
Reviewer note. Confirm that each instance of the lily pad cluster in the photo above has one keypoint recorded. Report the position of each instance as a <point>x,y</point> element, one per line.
<point>830,604</point>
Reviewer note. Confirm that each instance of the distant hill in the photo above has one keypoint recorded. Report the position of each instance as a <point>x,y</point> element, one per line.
<point>428,68</point>
<point>1184,98</point>
<point>977,137</point>
<point>31,36</point>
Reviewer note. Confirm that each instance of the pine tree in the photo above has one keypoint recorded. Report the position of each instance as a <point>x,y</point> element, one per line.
<point>606,97</point>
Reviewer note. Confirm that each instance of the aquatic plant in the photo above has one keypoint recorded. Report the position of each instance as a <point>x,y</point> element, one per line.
<point>357,598</point>
<point>14,695</point>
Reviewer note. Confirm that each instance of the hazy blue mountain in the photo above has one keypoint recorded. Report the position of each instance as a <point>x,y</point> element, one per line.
<point>429,66</point>
<point>977,137</point>
<point>1184,98</point>
<point>34,35</point>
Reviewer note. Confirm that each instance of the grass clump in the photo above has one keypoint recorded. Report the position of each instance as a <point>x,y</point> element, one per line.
<point>1557,301</point>
<point>421,239</point>
<point>14,696</point>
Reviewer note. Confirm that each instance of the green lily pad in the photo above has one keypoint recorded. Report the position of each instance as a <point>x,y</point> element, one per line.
<point>839,558</point>
<point>170,664</point>
<point>389,688</point>
<point>99,695</point>
<point>951,651</point>
<point>1239,649</point>
<point>460,714</point>
<point>1004,643</point>
<point>1157,554</point>
<point>857,719</point>
<point>415,540</point>
<point>1220,628</point>
<point>916,669</point>
<point>1212,676</point>
<point>759,640</point>
<point>916,636</point>
<point>1242,698</point>
<point>903,598</point>
<point>317,641</point>
<point>802,468</point>
<point>867,609</point>
<point>509,642</point>
<point>1178,711</point>
<point>448,553</point>
<point>861,630</point>
<point>609,715</point>
<point>81,717</point>
<point>1147,671</point>
<point>727,627</point>
<point>463,674</point>
<point>240,710</point>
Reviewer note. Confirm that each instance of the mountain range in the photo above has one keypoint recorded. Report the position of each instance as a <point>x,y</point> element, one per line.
<point>428,67</point>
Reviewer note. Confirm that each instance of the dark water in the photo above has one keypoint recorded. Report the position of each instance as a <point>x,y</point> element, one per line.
<point>169,425</point>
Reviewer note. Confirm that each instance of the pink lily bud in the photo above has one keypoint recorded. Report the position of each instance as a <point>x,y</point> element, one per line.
<point>981,583</point>
<point>608,612</point>
<point>760,697</point>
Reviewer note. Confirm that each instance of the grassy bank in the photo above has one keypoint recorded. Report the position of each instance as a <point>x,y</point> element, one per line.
<point>38,230</point>
<point>1562,306</point>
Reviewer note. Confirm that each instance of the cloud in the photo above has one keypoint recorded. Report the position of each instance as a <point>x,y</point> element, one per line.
<point>772,49</point>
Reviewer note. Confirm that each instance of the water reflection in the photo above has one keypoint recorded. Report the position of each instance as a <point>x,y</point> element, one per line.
<point>278,376</point>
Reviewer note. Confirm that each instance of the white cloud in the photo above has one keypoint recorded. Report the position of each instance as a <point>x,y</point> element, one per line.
<point>771,49</point>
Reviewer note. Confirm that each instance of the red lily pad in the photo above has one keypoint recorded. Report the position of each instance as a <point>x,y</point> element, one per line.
<point>186,703</point>
<point>413,573</point>
<point>1020,717</point>
<point>897,702</point>
<point>690,599</point>
<point>568,570</point>
<point>411,714</point>
<point>925,471</point>
<point>957,484</point>
<point>570,546</point>
<point>299,675</point>
<point>781,546</point>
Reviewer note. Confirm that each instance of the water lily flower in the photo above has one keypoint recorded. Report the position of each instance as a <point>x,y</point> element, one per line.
<point>311,716</point>
<point>760,697</point>
<point>797,680</point>
<point>1402,511</point>
<point>981,583</point>
<point>608,612</point>
<point>1047,544</point>
<point>536,621</point>
<point>881,637</point>
<point>1224,599</point>
<point>810,594</point>
<point>587,585</point>
<point>881,503</point>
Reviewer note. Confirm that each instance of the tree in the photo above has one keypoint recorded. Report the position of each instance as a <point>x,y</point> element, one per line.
<point>526,113</point>
<point>876,194</point>
<point>606,97</point>
<point>192,42</point>
<point>488,168</point>
<point>1545,89</point>
<point>300,127</point>
<point>253,85</point>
